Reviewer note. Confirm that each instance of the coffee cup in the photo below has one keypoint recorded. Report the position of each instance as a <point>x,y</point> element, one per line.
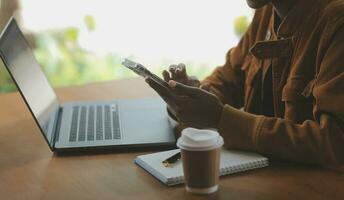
<point>200,150</point>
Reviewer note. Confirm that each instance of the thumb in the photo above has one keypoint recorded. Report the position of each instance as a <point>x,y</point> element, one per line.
<point>182,89</point>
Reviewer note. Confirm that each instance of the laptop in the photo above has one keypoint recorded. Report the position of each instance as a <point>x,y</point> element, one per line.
<point>78,126</point>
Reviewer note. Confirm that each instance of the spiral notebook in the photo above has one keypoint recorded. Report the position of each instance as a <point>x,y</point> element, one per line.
<point>231,162</point>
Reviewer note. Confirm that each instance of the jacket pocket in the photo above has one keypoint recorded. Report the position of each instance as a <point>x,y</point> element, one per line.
<point>297,88</point>
<point>296,95</point>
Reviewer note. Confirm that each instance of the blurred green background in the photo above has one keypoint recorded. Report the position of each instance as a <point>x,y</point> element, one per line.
<point>66,63</point>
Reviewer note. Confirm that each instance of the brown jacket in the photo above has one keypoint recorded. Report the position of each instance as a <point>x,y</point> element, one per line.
<point>307,59</point>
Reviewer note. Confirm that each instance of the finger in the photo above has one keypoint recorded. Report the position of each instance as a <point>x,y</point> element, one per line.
<point>166,76</point>
<point>163,91</point>
<point>181,71</point>
<point>172,67</point>
<point>172,70</point>
<point>184,90</point>
<point>193,81</point>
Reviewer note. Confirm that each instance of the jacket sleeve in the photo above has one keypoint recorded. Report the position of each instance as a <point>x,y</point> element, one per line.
<point>318,142</point>
<point>227,81</point>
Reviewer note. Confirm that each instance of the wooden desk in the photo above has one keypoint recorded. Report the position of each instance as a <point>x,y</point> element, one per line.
<point>29,170</point>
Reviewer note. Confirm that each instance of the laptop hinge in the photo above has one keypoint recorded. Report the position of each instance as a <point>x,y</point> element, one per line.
<point>56,130</point>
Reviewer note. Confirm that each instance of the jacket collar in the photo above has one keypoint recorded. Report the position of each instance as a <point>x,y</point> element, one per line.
<point>298,14</point>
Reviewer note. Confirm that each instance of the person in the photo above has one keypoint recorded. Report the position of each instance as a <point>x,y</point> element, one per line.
<point>281,90</point>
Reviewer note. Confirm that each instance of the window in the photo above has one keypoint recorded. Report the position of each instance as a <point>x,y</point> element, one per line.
<point>83,41</point>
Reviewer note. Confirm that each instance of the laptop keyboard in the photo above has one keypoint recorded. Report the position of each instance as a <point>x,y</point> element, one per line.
<point>94,122</point>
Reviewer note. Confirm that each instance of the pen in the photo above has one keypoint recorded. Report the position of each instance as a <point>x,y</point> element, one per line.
<point>172,160</point>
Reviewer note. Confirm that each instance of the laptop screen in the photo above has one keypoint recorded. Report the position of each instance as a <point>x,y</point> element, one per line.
<point>29,78</point>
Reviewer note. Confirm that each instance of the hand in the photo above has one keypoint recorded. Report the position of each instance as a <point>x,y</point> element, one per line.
<point>192,106</point>
<point>178,73</point>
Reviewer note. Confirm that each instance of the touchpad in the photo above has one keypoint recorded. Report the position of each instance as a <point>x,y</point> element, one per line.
<point>145,121</point>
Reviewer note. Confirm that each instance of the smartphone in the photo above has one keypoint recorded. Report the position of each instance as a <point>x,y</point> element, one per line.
<point>143,71</point>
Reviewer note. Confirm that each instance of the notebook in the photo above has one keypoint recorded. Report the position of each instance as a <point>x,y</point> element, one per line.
<point>231,162</point>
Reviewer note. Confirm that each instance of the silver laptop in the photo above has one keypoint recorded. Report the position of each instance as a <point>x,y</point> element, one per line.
<point>81,125</point>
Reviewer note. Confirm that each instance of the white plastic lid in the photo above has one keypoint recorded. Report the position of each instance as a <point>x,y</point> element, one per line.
<point>199,140</point>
